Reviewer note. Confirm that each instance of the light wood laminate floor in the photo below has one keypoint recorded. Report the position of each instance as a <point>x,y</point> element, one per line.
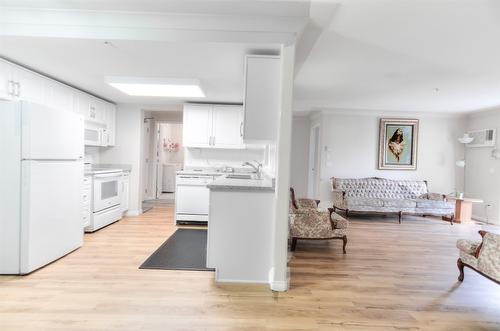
<point>394,277</point>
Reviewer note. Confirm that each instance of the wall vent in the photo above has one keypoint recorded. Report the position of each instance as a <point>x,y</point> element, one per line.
<point>483,138</point>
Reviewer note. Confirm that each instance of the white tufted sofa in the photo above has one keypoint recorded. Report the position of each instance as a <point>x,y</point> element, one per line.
<point>380,195</point>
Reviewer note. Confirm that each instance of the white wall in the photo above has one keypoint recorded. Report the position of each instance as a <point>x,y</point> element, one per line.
<point>482,171</point>
<point>211,157</point>
<point>349,148</point>
<point>129,119</point>
<point>92,154</point>
<point>300,155</point>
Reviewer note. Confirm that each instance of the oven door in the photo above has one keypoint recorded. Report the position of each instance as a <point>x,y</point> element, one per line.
<point>106,191</point>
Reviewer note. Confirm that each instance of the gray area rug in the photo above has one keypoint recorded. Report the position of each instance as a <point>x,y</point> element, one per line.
<point>186,249</point>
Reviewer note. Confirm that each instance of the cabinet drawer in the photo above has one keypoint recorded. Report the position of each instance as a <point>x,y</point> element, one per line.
<point>86,197</point>
<point>87,181</point>
<point>86,220</point>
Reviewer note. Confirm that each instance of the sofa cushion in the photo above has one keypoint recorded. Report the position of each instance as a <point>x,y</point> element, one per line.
<point>380,187</point>
<point>358,201</point>
<point>401,203</point>
<point>434,204</point>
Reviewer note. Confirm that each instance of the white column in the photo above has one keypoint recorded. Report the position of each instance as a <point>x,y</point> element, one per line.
<point>279,274</point>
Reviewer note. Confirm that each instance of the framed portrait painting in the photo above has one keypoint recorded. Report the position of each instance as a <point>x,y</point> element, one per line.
<point>398,143</point>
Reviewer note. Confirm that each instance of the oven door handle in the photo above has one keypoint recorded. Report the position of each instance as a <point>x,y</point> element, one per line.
<point>108,175</point>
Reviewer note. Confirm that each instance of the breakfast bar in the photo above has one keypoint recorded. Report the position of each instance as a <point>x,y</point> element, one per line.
<point>240,228</point>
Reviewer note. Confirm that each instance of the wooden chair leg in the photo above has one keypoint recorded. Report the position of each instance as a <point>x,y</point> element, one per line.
<point>294,244</point>
<point>460,266</point>
<point>400,215</point>
<point>344,239</point>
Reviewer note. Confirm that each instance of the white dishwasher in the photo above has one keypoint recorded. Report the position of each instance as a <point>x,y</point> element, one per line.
<point>192,198</point>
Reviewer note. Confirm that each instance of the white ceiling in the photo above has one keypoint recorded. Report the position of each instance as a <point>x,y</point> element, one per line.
<point>393,54</point>
<point>379,55</point>
<point>185,39</point>
<point>85,62</point>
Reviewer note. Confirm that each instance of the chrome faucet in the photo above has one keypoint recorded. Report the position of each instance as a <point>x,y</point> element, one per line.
<point>257,168</point>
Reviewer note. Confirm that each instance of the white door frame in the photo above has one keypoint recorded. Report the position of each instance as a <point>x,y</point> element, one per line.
<point>314,161</point>
<point>158,171</point>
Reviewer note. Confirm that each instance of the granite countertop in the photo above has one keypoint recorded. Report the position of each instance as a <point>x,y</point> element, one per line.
<point>214,171</point>
<point>223,183</point>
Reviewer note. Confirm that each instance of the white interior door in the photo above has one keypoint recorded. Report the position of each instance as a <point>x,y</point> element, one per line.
<point>51,134</point>
<point>51,211</point>
<point>313,162</point>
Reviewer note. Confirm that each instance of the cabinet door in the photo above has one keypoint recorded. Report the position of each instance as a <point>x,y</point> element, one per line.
<point>262,97</point>
<point>97,110</point>
<point>82,104</point>
<point>30,85</point>
<point>58,96</point>
<point>227,126</point>
<point>6,86</point>
<point>197,125</point>
<point>111,123</point>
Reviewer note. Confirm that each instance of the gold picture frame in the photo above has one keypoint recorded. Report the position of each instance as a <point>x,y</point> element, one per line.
<point>398,144</point>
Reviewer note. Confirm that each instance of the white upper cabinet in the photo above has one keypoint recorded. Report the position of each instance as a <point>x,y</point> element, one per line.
<point>197,125</point>
<point>97,111</point>
<point>227,129</point>
<point>31,86</point>
<point>19,83</point>
<point>7,86</point>
<point>262,97</point>
<point>110,111</point>
<point>213,126</point>
<point>59,96</point>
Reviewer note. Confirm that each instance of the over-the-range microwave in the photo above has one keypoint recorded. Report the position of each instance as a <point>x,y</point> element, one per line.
<point>95,135</point>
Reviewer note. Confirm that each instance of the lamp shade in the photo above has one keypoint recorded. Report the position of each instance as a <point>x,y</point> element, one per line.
<point>466,139</point>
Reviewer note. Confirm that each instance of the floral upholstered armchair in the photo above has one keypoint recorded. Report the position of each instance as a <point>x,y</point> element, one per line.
<point>482,257</point>
<point>307,222</point>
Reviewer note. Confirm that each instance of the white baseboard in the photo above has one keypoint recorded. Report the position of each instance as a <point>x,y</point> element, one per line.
<point>132,213</point>
<point>279,286</point>
<point>484,220</point>
<point>240,281</point>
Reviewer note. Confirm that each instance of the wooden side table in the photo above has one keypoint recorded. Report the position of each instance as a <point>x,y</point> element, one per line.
<point>463,209</point>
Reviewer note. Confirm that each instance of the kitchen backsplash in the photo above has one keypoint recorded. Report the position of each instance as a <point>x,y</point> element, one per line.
<point>92,154</point>
<point>204,157</point>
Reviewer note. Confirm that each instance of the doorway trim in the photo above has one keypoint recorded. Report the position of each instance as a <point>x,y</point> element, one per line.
<point>314,161</point>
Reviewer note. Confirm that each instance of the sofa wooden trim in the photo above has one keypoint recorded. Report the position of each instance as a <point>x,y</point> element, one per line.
<point>461,265</point>
<point>449,217</point>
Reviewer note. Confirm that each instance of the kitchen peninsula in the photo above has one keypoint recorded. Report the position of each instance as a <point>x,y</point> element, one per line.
<point>239,244</point>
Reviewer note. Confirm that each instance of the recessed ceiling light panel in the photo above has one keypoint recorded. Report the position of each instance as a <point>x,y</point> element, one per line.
<point>157,87</point>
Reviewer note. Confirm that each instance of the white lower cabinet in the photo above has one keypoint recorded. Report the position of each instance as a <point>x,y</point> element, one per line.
<point>125,192</point>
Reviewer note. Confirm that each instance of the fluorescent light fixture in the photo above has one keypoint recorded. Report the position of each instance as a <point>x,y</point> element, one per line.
<point>157,87</point>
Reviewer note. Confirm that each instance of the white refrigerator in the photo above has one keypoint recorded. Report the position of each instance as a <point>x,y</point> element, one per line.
<point>41,183</point>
